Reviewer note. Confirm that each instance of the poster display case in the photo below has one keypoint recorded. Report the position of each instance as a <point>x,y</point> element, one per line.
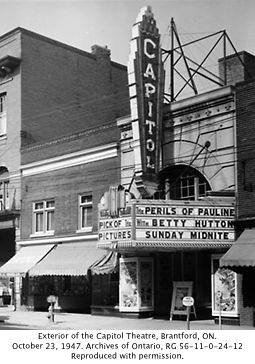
<point>136,284</point>
<point>224,290</point>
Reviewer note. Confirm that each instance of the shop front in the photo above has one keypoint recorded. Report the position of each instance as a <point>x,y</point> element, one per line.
<point>72,293</point>
<point>64,273</point>
<point>15,270</point>
<point>7,250</point>
<point>105,285</point>
<point>163,243</point>
<point>61,270</point>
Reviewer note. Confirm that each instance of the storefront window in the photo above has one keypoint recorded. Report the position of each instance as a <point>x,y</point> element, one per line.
<point>60,286</point>
<point>105,289</point>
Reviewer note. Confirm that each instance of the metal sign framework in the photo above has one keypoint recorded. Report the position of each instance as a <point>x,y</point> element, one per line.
<point>193,68</point>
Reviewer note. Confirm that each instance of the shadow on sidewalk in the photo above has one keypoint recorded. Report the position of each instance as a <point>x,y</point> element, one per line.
<point>3,318</point>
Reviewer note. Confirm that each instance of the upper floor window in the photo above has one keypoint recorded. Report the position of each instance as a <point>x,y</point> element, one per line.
<point>85,212</point>
<point>192,187</point>
<point>182,183</point>
<point>3,101</point>
<point>43,217</point>
<point>4,189</point>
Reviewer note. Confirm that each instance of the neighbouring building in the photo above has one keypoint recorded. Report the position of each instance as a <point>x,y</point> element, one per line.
<point>241,256</point>
<point>59,152</point>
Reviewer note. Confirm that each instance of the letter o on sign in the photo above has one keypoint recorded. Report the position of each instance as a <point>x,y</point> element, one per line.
<point>150,145</point>
<point>188,301</point>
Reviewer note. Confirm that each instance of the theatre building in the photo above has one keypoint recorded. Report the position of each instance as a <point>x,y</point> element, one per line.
<point>67,156</point>
<point>182,174</point>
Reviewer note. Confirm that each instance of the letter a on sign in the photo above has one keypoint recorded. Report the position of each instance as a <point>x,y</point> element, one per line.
<point>149,72</point>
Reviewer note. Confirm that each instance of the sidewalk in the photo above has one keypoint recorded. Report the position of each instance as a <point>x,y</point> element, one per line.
<point>71,321</point>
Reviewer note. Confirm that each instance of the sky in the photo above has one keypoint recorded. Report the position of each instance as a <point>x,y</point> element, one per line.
<point>83,23</point>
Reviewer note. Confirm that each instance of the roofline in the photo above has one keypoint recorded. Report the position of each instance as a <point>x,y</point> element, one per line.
<point>234,55</point>
<point>55,42</point>
<point>205,97</point>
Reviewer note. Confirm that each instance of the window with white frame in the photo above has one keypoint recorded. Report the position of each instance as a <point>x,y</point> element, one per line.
<point>192,186</point>
<point>4,195</point>
<point>43,217</point>
<point>3,114</point>
<point>183,183</point>
<point>85,212</point>
<point>4,188</point>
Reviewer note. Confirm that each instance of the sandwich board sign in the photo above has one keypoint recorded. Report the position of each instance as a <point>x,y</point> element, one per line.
<point>182,299</point>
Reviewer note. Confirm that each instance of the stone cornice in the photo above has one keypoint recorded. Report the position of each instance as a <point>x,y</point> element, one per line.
<point>70,160</point>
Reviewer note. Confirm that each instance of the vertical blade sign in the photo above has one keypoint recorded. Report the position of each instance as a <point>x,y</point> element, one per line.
<point>145,71</point>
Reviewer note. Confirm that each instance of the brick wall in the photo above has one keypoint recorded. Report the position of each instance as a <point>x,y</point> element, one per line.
<point>65,186</point>
<point>67,144</point>
<point>245,132</point>
<point>65,90</point>
<point>239,67</point>
<point>71,100</point>
<point>120,87</point>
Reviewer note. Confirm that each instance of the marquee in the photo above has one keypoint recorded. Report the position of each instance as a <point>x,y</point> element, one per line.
<point>170,223</point>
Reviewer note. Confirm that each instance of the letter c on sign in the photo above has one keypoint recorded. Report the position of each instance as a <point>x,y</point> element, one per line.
<point>146,51</point>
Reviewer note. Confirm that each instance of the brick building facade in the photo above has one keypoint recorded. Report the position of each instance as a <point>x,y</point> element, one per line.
<point>241,257</point>
<point>245,147</point>
<point>64,127</point>
<point>10,126</point>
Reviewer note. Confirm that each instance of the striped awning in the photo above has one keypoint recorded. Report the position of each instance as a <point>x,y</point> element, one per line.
<point>25,259</point>
<point>107,265</point>
<point>70,259</point>
<point>242,252</point>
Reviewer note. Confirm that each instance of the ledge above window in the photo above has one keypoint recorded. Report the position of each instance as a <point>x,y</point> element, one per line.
<point>8,65</point>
